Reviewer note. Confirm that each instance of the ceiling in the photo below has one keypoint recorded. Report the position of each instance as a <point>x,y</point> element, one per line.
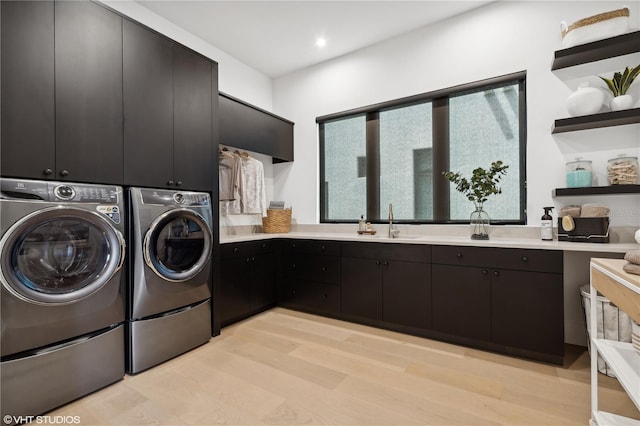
<point>278,37</point>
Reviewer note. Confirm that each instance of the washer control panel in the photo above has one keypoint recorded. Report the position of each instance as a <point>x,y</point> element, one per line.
<point>59,191</point>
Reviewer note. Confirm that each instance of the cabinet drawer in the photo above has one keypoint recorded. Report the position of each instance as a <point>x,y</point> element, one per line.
<point>249,248</point>
<point>487,257</point>
<point>312,296</point>
<point>406,252</point>
<point>324,269</point>
<point>320,247</point>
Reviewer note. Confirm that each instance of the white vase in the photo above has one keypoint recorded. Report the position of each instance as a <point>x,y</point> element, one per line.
<point>621,102</point>
<point>585,100</point>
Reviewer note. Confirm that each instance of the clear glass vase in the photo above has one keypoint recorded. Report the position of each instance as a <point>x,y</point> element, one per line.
<point>479,222</point>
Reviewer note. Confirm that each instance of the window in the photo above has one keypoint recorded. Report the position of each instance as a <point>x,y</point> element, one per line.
<point>395,153</point>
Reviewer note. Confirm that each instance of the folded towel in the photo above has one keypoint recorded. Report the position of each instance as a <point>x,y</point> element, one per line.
<point>631,268</point>
<point>633,256</point>
<point>573,211</point>
<point>276,205</point>
<point>594,210</point>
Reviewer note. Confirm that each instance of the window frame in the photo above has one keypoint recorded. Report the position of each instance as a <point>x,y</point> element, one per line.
<point>440,139</point>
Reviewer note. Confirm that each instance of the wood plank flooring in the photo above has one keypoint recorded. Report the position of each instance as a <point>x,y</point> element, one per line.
<point>288,368</point>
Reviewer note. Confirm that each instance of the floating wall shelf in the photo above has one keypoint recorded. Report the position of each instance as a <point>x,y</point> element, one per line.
<point>597,190</point>
<point>595,121</point>
<point>596,51</point>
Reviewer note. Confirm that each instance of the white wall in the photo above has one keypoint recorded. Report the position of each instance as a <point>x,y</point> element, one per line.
<point>496,39</point>
<point>235,78</point>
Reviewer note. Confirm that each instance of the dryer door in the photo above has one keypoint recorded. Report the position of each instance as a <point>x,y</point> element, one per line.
<point>59,255</point>
<point>178,245</point>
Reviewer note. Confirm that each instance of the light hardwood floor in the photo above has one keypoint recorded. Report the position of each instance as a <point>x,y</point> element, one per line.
<point>286,367</point>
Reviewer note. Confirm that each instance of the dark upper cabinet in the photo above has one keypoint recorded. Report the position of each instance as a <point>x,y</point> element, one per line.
<point>88,68</point>
<point>193,158</point>
<point>148,107</point>
<point>28,100</point>
<point>168,107</point>
<point>61,91</point>
<point>245,126</point>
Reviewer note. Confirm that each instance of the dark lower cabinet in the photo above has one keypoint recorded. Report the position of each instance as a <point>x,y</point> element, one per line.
<point>362,287</point>
<point>512,304</point>
<point>248,279</point>
<point>527,311</point>
<point>387,282</point>
<point>462,301</point>
<point>310,276</point>
<point>406,294</point>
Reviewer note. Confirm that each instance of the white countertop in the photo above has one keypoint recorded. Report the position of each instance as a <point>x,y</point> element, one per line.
<point>503,242</point>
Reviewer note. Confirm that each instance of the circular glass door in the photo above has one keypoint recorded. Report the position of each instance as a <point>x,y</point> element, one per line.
<point>59,255</point>
<point>178,245</point>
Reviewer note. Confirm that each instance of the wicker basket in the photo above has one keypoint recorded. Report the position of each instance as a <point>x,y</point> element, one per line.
<point>277,221</point>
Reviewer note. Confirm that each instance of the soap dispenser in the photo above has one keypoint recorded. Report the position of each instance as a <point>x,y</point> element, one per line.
<point>546,225</point>
<point>362,225</point>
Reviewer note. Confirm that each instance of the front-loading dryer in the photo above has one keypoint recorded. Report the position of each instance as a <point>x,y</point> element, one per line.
<point>63,294</point>
<point>171,241</point>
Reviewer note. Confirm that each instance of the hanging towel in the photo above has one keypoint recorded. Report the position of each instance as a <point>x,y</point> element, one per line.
<point>229,175</point>
<point>252,192</point>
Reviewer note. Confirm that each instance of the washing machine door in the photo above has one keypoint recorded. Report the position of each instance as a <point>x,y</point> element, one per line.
<point>178,245</point>
<point>59,255</point>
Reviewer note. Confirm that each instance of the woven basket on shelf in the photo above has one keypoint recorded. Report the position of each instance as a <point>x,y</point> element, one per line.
<point>277,221</point>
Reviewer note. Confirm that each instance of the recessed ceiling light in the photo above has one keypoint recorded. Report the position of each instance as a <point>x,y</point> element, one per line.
<point>321,42</point>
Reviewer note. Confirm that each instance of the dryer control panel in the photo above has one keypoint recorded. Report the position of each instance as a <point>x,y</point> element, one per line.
<point>161,197</point>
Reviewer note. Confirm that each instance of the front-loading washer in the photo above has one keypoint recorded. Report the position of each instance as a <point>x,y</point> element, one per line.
<point>63,294</point>
<point>169,301</point>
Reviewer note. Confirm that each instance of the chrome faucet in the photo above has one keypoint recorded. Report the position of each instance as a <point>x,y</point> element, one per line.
<point>393,233</point>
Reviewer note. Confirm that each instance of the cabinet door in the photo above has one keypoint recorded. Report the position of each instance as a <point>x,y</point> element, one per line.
<point>406,290</point>
<point>263,281</point>
<point>192,143</point>
<point>148,107</point>
<point>88,57</point>
<point>362,287</point>
<point>527,310</point>
<point>235,289</point>
<point>28,102</point>
<point>461,301</point>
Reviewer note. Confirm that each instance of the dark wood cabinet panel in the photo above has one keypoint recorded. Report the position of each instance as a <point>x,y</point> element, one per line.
<point>311,296</point>
<point>148,107</point>
<point>193,159</point>
<point>88,87</point>
<point>406,293</point>
<point>388,282</point>
<point>527,311</point>
<point>248,279</point>
<point>247,127</point>
<point>235,290</point>
<point>263,281</point>
<point>362,287</point>
<point>512,258</point>
<point>461,301</point>
<point>28,100</point>
<point>319,247</point>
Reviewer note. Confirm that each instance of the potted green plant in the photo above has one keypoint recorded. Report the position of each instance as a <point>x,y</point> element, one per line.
<point>477,189</point>
<point>618,85</point>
